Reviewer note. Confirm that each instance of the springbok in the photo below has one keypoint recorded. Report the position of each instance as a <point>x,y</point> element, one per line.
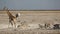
<point>12,19</point>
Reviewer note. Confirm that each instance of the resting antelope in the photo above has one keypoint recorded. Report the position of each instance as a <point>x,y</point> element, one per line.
<point>12,19</point>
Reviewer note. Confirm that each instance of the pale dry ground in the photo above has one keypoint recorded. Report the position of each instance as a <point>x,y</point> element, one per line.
<point>37,17</point>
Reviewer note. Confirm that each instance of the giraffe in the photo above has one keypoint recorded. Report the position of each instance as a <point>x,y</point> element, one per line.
<point>12,19</point>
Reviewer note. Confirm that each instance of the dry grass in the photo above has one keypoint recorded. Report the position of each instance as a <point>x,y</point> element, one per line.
<point>31,17</point>
<point>34,31</point>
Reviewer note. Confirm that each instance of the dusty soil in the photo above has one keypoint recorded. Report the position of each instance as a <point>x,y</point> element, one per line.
<point>30,18</point>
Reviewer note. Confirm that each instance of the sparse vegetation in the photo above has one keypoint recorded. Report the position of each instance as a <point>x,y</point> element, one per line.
<point>42,17</point>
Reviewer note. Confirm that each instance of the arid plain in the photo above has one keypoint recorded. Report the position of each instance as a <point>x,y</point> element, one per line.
<point>28,18</point>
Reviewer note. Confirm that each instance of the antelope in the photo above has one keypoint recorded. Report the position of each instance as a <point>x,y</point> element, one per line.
<point>12,19</point>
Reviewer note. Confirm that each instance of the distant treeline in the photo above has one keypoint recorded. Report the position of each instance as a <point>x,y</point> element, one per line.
<point>32,10</point>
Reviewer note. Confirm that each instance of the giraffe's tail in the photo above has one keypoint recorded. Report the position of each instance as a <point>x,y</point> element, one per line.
<point>17,15</point>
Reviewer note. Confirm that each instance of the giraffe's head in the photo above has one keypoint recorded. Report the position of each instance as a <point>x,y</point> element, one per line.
<point>17,15</point>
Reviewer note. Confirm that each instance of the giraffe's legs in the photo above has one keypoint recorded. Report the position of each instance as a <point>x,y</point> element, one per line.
<point>14,24</point>
<point>10,22</point>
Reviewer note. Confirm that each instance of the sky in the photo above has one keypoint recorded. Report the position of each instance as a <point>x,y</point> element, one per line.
<point>30,4</point>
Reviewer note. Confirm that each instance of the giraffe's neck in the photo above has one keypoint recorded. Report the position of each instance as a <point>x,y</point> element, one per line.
<point>9,14</point>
